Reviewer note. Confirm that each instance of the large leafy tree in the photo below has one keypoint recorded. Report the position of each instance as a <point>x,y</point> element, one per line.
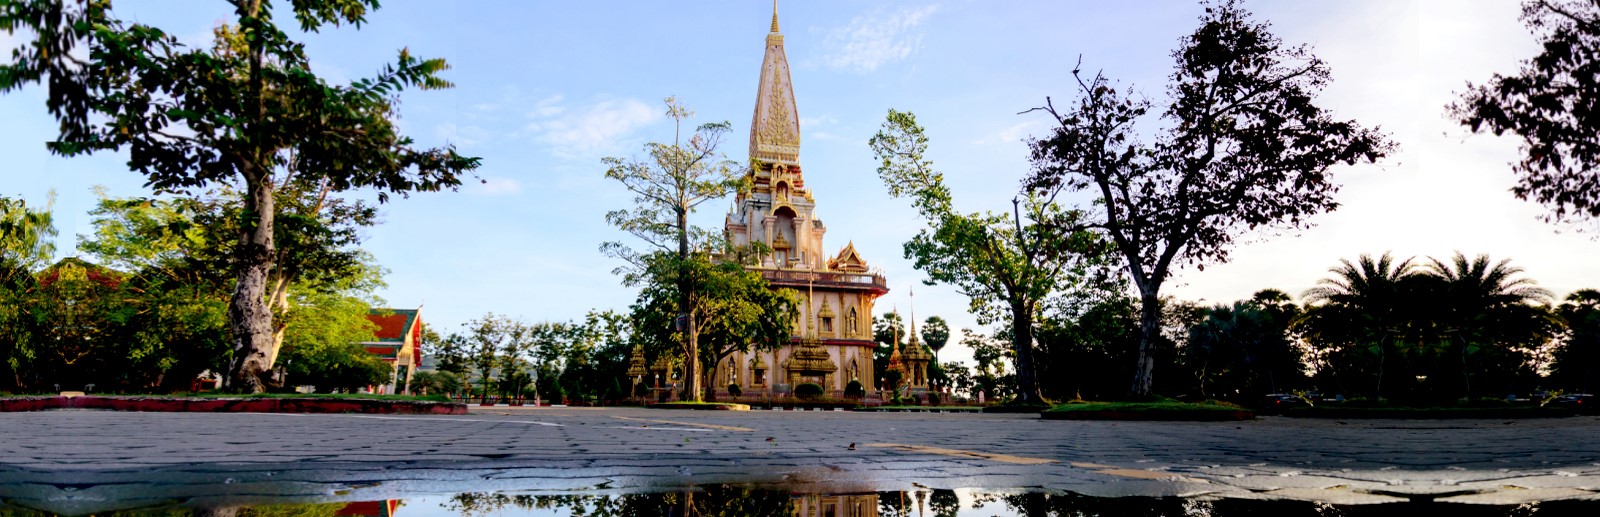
<point>667,188</point>
<point>1245,148</point>
<point>1553,105</point>
<point>1007,264</point>
<point>736,310</point>
<point>1245,349</point>
<point>1576,358</point>
<point>248,112</point>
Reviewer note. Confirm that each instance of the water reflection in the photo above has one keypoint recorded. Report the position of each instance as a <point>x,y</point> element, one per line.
<point>741,501</point>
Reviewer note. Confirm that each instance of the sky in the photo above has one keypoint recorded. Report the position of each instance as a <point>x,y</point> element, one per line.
<point>546,89</point>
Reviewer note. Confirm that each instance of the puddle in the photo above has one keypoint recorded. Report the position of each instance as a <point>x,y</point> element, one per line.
<point>733,500</point>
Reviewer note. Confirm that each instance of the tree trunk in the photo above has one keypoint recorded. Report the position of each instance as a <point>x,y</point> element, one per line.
<point>1022,345</point>
<point>249,316</point>
<point>1149,333</point>
<point>691,330</point>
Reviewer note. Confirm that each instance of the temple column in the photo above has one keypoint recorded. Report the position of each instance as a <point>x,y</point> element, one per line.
<point>767,224</point>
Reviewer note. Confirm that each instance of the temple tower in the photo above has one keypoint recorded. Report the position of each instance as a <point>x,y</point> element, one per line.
<point>832,343</point>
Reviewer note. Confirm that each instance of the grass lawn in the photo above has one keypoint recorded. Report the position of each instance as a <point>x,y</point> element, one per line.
<point>1157,410</point>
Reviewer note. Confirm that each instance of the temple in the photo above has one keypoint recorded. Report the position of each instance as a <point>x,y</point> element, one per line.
<point>832,343</point>
<point>398,342</point>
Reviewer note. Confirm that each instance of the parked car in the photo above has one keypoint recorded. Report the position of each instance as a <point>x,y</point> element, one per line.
<point>1583,402</point>
<point>1277,402</point>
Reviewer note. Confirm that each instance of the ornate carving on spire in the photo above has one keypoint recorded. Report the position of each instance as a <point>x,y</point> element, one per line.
<point>775,126</point>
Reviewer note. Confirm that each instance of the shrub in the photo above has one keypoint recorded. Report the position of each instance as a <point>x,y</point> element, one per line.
<point>641,390</point>
<point>735,390</point>
<point>933,399</point>
<point>854,390</point>
<point>808,390</point>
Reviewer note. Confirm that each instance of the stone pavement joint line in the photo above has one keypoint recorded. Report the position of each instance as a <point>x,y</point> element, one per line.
<point>79,461</point>
<point>1003,458</point>
<point>691,424</point>
<point>497,421</point>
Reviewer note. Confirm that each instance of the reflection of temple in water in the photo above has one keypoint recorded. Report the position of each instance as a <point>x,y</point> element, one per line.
<point>835,505</point>
<point>384,508</point>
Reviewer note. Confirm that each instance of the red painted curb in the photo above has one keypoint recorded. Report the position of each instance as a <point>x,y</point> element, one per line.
<point>232,405</point>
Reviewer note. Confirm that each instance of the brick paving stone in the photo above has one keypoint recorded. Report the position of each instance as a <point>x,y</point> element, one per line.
<point>96,460</point>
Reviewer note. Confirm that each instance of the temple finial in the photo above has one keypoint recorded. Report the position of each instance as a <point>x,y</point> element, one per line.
<point>774,15</point>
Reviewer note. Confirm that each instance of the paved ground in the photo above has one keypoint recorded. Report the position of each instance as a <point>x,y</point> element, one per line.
<point>81,461</point>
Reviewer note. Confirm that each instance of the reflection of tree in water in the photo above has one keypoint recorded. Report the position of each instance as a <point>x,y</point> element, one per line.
<point>937,503</point>
<point>714,501</point>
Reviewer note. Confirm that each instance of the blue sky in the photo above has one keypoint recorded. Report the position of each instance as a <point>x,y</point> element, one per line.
<point>545,89</point>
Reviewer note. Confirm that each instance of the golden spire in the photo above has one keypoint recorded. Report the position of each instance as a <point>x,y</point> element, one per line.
<point>774,15</point>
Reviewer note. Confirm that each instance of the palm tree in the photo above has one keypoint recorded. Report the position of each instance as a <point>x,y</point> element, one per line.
<point>1486,308</point>
<point>1358,313</point>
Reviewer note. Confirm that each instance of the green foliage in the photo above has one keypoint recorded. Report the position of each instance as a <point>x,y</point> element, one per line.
<point>436,382</point>
<point>854,390</point>
<point>736,310</point>
<point>1576,359</point>
<point>1437,331</point>
<point>247,112</point>
<point>337,367</point>
<point>1245,148</point>
<point>25,237</point>
<point>1006,265</point>
<point>808,390</point>
<point>935,333</point>
<point>933,398</point>
<point>1548,105</point>
<point>1245,350</point>
<point>667,188</point>
<point>735,390</point>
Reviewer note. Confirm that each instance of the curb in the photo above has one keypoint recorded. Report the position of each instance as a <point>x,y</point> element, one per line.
<point>1165,416</point>
<point>701,407</point>
<point>232,405</point>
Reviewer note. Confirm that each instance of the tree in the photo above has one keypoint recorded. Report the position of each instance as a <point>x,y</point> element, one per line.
<point>248,111</point>
<point>1551,105</point>
<point>1577,356</point>
<point>667,188</point>
<point>1244,349</point>
<point>1246,149</point>
<point>1006,264</point>
<point>1489,319</point>
<point>436,382</point>
<point>487,339</point>
<point>1357,319</point>
<point>25,236</point>
<point>991,377</point>
<point>935,333</point>
<point>736,310</point>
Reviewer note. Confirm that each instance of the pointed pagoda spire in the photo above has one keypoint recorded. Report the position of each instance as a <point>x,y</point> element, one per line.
<point>775,126</point>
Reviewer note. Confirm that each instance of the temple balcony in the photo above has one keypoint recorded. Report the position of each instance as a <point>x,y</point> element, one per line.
<point>801,278</point>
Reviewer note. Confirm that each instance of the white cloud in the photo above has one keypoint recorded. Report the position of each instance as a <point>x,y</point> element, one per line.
<point>578,131</point>
<point>876,39</point>
<point>821,120</point>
